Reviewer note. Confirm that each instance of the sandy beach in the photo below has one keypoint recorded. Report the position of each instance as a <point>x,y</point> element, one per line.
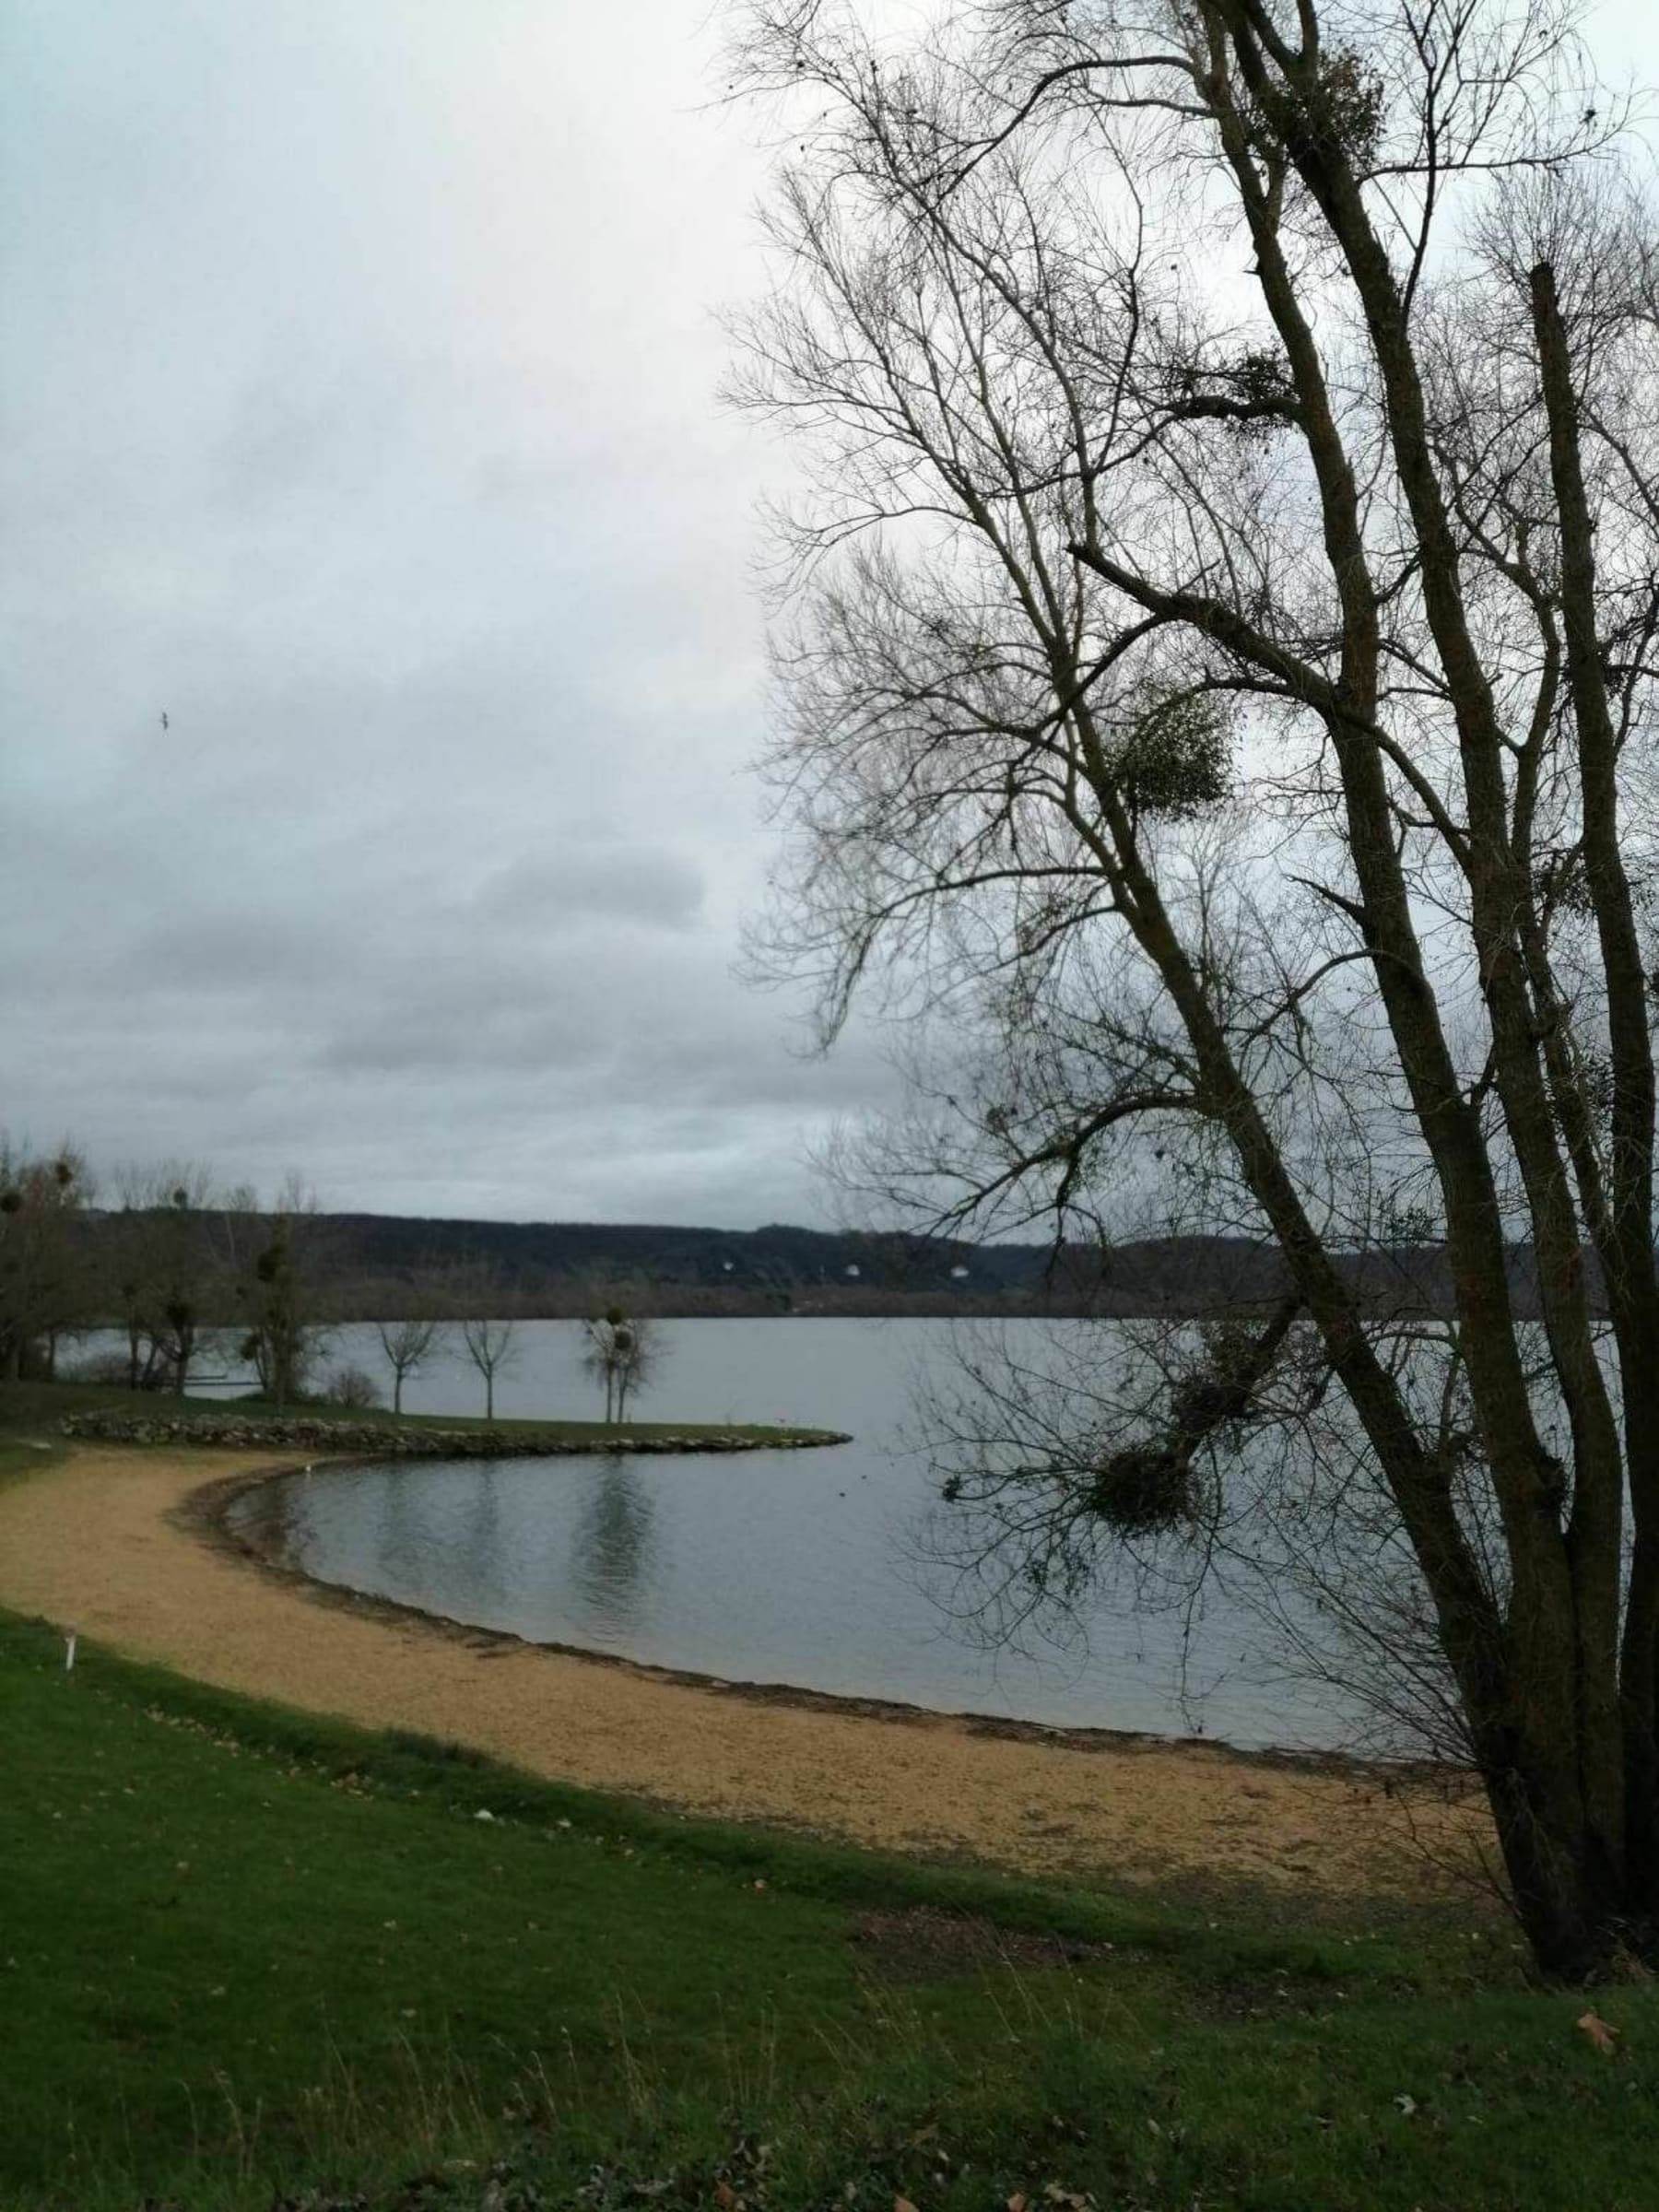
<point>106,1543</point>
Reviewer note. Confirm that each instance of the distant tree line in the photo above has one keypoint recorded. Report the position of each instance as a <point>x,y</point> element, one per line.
<point>186,1269</point>
<point>199,1280</point>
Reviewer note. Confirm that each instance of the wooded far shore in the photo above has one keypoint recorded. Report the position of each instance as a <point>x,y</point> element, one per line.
<point>375,1266</point>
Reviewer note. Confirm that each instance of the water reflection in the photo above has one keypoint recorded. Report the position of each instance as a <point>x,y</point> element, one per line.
<point>613,1543</point>
<point>403,1543</point>
<point>765,1566</point>
<point>481,1541</point>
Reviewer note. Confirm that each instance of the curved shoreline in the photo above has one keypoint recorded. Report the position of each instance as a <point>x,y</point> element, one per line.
<point>204,1512</point>
<point>385,1441</point>
<point>122,1546</point>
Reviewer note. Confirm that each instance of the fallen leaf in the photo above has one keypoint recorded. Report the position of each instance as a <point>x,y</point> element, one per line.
<point>1406,2104</point>
<point>1599,2033</point>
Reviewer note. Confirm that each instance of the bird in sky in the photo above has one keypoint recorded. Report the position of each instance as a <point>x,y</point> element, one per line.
<point>164,719</point>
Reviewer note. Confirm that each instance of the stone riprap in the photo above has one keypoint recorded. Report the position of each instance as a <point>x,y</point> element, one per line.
<point>388,1440</point>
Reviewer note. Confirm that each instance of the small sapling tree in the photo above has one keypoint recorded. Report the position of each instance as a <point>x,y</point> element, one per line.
<point>620,1353</point>
<point>407,1344</point>
<point>492,1347</point>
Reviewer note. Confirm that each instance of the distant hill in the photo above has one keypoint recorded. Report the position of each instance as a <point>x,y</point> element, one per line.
<point>380,1265</point>
<point>372,1262</point>
<point>566,1266</point>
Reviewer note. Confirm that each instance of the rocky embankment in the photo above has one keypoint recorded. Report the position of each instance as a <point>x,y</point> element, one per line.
<point>388,1440</point>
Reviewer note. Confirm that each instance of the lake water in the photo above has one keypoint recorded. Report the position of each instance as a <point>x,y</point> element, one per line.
<point>791,1567</point>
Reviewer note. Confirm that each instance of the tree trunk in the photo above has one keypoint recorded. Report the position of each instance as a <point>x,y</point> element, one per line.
<point>1626,1244</point>
<point>1572,1903</point>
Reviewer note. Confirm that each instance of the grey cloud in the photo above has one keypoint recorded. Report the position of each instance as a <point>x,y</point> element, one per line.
<point>397,483</point>
<point>278,442</point>
<point>232,951</point>
<point>499,1041</point>
<point>644,884</point>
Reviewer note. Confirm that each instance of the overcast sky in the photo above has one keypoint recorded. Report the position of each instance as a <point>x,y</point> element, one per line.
<point>358,397</point>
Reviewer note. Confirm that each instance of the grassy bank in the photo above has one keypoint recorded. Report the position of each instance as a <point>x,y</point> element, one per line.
<point>247,1957</point>
<point>38,1408</point>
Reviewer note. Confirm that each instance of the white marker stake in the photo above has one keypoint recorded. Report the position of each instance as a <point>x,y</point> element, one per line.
<point>69,1653</point>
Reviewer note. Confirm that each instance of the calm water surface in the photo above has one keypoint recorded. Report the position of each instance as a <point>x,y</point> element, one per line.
<point>797,1567</point>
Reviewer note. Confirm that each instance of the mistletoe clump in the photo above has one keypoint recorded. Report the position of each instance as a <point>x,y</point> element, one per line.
<point>1175,757</point>
<point>1144,1489</point>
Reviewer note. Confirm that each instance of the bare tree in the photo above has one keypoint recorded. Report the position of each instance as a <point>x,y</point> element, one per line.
<point>407,1344</point>
<point>492,1347</point>
<point>285,1334</point>
<point>45,1286</point>
<point>161,1270</point>
<point>1216,701</point>
<point>622,1354</point>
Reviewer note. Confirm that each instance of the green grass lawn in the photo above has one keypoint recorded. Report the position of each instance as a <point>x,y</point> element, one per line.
<point>251,1958</point>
